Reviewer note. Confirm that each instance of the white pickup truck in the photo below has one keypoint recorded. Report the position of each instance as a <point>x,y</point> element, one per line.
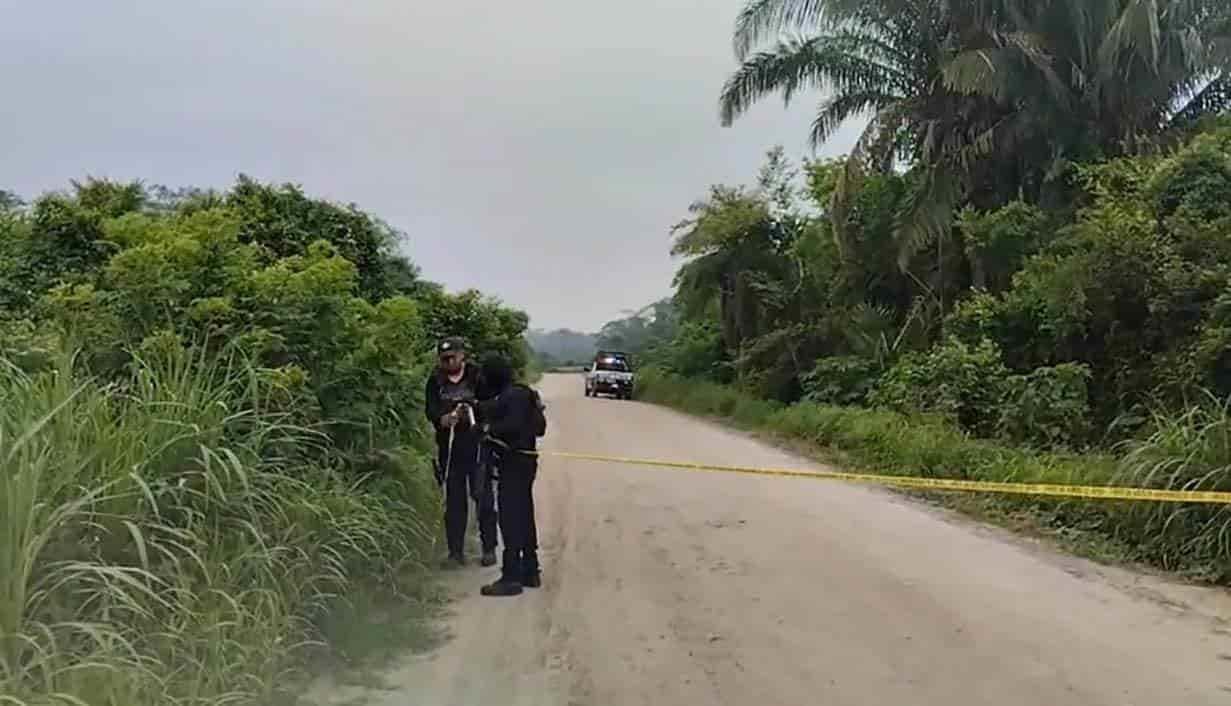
<point>610,374</point>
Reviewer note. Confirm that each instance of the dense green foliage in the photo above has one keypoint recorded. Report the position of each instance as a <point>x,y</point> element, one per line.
<point>212,432</point>
<point>1050,328</point>
<point>1029,245</point>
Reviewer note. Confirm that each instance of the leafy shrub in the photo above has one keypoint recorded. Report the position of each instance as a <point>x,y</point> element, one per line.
<point>960,382</point>
<point>1196,181</point>
<point>1208,361</point>
<point>282,221</point>
<point>696,351</point>
<point>842,380</point>
<point>486,325</point>
<point>1128,290</point>
<point>971,386</point>
<point>1048,406</point>
<point>998,242</point>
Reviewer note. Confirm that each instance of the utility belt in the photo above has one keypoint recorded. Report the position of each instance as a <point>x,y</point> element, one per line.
<point>495,453</point>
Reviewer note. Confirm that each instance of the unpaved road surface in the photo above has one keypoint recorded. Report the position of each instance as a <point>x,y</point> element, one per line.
<point>670,587</point>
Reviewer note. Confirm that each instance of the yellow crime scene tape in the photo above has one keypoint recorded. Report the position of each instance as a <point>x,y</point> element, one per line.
<point>1088,492</point>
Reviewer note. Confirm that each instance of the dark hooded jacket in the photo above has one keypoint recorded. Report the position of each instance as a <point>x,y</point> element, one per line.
<point>516,416</point>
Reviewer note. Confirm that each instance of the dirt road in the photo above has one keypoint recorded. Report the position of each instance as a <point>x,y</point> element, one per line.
<point>667,587</point>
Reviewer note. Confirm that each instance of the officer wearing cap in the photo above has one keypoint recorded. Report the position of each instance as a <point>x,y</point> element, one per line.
<point>451,399</point>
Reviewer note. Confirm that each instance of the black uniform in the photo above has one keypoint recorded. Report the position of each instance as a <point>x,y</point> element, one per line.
<point>460,469</point>
<point>515,419</point>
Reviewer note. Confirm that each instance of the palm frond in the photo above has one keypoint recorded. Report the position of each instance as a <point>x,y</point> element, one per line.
<point>1034,53</point>
<point>833,112</point>
<point>767,20</point>
<point>928,213</point>
<point>833,62</point>
<point>1003,71</point>
<point>696,283</point>
<point>760,19</point>
<point>980,71</point>
<point>875,148</point>
<point>1135,30</point>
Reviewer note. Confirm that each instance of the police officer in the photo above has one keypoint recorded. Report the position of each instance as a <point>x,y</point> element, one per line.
<point>513,420</point>
<point>451,399</point>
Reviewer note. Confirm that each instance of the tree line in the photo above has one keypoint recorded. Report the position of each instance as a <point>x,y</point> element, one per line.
<point>1030,238</point>
<point>213,437</point>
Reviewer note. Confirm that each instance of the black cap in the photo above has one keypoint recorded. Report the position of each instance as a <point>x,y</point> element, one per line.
<point>451,345</point>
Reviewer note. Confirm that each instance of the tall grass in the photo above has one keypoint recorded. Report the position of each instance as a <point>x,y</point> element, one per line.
<point>173,539</point>
<point>1190,451</point>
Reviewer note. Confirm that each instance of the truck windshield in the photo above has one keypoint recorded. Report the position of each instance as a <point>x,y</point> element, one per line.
<point>612,366</point>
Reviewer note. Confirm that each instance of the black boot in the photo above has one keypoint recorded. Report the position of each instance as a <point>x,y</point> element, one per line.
<point>489,557</point>
<point>531,576</point>
<point>455,561</point>
<point>503,587</point>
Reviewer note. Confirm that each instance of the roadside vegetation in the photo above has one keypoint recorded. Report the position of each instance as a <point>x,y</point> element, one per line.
<point>1021,272</point>
<point>215,466</point>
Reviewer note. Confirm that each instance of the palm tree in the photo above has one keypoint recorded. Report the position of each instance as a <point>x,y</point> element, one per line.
<point>728,242</point>
<point>876,58</point>
<point>1097,77</point>
<point>883,59</point>
<point>987,99</point>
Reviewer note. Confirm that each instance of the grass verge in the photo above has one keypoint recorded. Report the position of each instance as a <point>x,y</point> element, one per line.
<point>1191,452</point>
<point>175,538</point>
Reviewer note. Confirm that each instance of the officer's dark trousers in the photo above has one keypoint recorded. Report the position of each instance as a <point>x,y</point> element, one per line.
<point>517,527</point>
<point>467,480</point>
<point>530,557</point>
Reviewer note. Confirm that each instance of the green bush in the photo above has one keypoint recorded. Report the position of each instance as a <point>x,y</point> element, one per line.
<point>232,449</point>
<point>842,380</point>
<point>1130,289</point>
<point>960,382</point>
<point>487,326</point>
<point>1196,181</point>
<point>1049,406</point>
<point>696,351</point>
<point>998,242</point>
<point>284,222</point>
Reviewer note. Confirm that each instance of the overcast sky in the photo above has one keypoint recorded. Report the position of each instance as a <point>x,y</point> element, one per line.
<point>539,150</point>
